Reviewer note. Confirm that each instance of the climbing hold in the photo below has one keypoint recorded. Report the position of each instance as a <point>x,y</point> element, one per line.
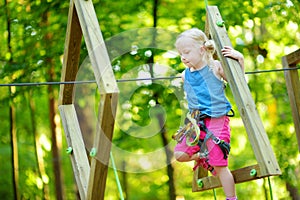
<point>93,152</point>
<point>69,150</point>
<point>200,183</point>
<point>220,23</point>
<point>253,172</point>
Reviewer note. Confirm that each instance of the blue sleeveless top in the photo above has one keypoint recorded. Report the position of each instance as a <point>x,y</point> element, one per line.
<point>204,91</point>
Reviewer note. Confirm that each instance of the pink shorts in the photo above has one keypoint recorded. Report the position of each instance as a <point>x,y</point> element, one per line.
<point>220,128</point>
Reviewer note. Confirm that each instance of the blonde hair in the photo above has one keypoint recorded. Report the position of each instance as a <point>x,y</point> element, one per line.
<point>200,39</point>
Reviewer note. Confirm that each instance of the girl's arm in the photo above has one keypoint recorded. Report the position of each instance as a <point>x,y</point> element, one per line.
<point>182,75</point>
<point>228,51</point>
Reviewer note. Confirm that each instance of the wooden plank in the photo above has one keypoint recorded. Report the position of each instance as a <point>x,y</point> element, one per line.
<point>108,88</point>
<point>99,166</point>
<point>96,47</point>
<point>293,58</point>
<point>71,56</point>
<point>239,175</point>
<point>79,158</point>
<point>255,129</point>
<point>293,88</point>
<point>201,172</point>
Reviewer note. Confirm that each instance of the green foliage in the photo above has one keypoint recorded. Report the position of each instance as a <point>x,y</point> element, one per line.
<point>262,30</point>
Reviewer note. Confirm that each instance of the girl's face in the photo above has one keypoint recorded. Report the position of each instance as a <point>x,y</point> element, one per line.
<point>191,53</point>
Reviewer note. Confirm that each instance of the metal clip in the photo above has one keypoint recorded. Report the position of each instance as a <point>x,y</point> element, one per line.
<point>217,140</point>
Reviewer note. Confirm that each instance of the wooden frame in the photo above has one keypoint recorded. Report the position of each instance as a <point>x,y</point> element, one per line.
<point>90,176</point>
<point>267,163</point>
<point>293,88</point>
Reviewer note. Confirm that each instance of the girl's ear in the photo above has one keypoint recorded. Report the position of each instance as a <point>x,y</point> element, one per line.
<point>201,50</point>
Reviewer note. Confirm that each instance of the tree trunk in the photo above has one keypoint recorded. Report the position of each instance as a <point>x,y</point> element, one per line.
<point>12,114</point>
<point>265,189</point>
<point>294,194</point>
<point>14,146</point>
<point>56,146</point>
<point>160,117</point>
<point>38,149</point>
<point>124,180</point>
<point>169,154</point>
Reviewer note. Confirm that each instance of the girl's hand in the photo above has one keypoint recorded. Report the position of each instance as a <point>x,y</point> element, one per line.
<point>228,51</point>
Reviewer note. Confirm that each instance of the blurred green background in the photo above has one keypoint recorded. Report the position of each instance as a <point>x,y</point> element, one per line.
<point>31,50</point>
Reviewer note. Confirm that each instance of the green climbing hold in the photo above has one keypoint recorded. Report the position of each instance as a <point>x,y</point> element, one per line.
<point>93,152</point>
<point>253,172</point>
<point>200,183</point>
<point>69,150</point>
<point>220,23</point>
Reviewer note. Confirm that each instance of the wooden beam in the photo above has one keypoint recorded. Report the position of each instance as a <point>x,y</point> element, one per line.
<point>71,56</point>
<point>96,47</point>
<point>201,173</point>
<point>83,22</point>
<point>102,144</point>
<point>293,58</point>
<point>79,158</point>
<point>255,129</point>
<point>293,88</point>
<point>109,91</point>
<point>239,175</point>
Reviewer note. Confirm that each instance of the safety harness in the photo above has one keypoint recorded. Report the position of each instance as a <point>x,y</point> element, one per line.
<point>191,130</point>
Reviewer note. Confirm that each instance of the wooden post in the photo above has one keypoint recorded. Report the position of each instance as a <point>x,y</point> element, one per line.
<point>96,47</point>
<point>293,88</point>
<point>79,159</point>
<point>267,163</point>
<point>71,56</point>
<point>254,126</point>
<point>91,180</point>
<point>70,123</point>
<point>108,89</point>
<point>102,144</point>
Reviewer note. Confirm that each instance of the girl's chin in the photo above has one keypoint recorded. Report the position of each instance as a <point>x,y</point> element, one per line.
<point>188,65</point>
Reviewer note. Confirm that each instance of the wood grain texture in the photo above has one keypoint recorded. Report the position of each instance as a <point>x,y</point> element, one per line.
<point>239,175</point>
<point>79,159</point>
<point>99,166</point>
<point>252,121</point>
<point>293,88</point>
<point>83,22</point>
<point>71,56</point>
<point>96,47</point>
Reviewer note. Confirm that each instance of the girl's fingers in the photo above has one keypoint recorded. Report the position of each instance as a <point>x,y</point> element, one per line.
<point>227,47</point>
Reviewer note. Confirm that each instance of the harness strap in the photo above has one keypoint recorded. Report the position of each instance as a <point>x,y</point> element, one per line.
<point>225,146</point>
<point>230,113</point>
<point>191,130</point>
<point>203,162</point>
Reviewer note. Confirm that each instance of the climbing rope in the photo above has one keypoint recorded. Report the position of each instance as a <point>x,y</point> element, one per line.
<point>270,187</point>
<point>117,177</point>
<point>215,194</point>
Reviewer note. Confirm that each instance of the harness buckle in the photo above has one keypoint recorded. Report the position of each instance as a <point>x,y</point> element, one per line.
<point>217,140</point>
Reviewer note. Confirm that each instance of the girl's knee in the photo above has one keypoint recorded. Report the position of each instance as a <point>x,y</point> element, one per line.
<point>181,156</point>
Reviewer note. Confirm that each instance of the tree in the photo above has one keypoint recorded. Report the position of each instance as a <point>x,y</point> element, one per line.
<point>263,30</point>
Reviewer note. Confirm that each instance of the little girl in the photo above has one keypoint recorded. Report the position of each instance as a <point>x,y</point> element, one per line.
<point>204,87</point>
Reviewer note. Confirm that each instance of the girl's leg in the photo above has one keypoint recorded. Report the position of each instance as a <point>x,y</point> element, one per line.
<point>184,157</point>
<point>227,181</point>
